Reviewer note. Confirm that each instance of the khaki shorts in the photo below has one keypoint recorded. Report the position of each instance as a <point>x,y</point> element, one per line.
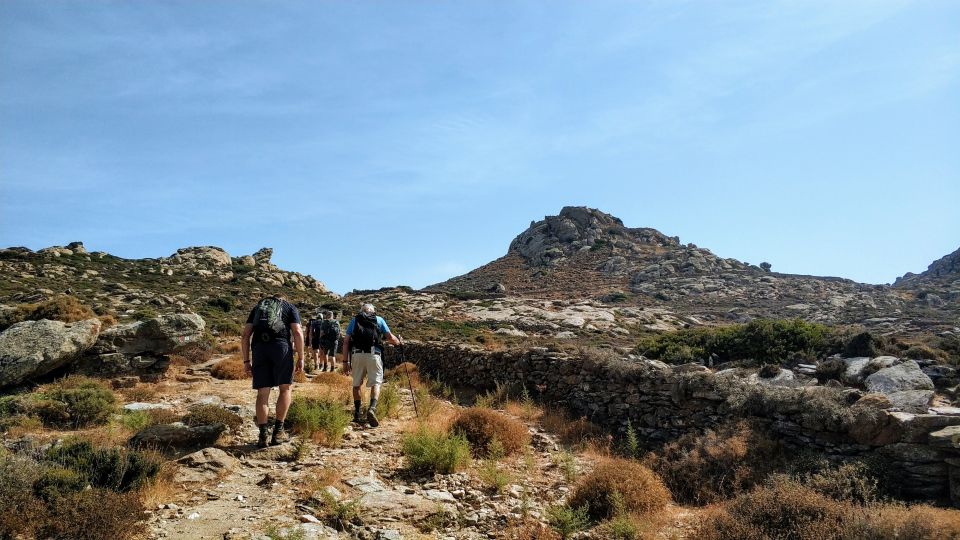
<point>367,364</point>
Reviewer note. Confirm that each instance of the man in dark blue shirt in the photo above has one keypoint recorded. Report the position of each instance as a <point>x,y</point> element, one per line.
<point>273,324</point>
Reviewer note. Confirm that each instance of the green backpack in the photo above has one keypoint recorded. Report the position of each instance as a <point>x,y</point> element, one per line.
<point>268,319</point>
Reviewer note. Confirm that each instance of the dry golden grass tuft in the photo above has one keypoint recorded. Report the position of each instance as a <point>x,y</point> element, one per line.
<point>333,379</point>
<point>529,530</point>
<point>300,377</point>
<point>524,409</point>
<point>705,468</point>
<point>483,426</point>
<point>405,371</point>
<point>578,432</point>
<point>229,347</point>
<point>160,489</point>
<point>230,369</point>
<point>617,486</point>
<point>317,479</point>
<point>140,393</point>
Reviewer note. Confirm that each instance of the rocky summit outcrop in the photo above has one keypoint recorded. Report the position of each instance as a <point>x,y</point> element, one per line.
<point>586,254</point>
<point>32,349</point>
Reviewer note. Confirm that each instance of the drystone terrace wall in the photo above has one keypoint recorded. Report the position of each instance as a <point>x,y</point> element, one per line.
<point>919,451</point>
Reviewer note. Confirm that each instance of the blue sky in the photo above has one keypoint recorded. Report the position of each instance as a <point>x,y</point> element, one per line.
<point>399,142</point>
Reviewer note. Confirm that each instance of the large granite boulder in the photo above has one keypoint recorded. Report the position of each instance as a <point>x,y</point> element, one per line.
<point>905,376</point>
<point>32,349</point>
<point>163,335</point>
<point>177,435</point>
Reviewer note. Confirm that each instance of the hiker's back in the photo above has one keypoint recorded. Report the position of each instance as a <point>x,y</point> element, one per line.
<point>271,319</point>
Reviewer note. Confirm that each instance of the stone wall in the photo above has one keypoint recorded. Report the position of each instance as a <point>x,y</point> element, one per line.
<point>663,402</point>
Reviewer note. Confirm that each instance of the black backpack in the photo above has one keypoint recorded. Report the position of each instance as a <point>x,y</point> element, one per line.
<point>366,333</point>
<point>268,322</point>
<point>330,330</point>
<point>316,326</point>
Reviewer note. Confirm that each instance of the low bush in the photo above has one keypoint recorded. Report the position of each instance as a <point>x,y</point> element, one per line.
<point>530,530</point>
<point>321,418</point>
<point>75,402</point>
<point>202,415</point>
<point>61,308</point>
<point>57,482</point>
<point>483,426</point>
<point>95,514</point>
<point>230,369</point>
<point>574,432</point>
<point>705,468</point>
<point>566,520</point>
<point>117,469</point>
<point>403,372</point>
<point>850,482</point>
<point>333,379</point>
<point>431,451</point>
<point>389,405</point>
<point>619,485</point>
<point>762,341</point>
<point>197,352</point>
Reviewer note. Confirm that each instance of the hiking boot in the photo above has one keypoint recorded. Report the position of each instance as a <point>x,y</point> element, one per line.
<point>279,437</point>
<point>372,418</point>
<point>356,418</point>
<point>262,440</point>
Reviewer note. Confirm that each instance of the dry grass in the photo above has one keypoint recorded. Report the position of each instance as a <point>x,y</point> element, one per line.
<point>300,377</point>
<point>160,489</point>
<point>201,415</point>
<point>229,348</point>
<point>529,530</point>
<point>333,379</point>
<point>404,371</point>
<point>140,393</point>
<point>318,479</point>
<point>577,432</point>
<point>61,308</point>
<point>524,408</point>
<point>616,486</point>
<point>230,369</point>
<point>483,426</point>
<point>702,469</point>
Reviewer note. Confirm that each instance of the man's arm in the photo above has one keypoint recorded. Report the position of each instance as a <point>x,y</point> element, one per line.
<point>346,353</point>
<point>392,339</point>
<point>297,332</point>
<point>245,348</point>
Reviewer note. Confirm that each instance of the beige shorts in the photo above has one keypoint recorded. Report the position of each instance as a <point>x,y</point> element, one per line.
<point>367,364</point>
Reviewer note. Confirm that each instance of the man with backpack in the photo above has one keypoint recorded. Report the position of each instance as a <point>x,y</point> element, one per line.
<point>314,334</point>
<point>272,324</point>
<point>363,355</point>
<point>329,337</point>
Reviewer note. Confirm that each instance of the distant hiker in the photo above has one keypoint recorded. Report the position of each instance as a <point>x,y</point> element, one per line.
<point>314,333</point>
<point>329,339</point>
<point>363,354</point>
<point>272,324</point>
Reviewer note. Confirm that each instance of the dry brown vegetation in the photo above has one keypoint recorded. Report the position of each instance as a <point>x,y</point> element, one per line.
<point>200,415</point>
<point>333,379</point>
<point>229,348</point>
<point>483,426</point>
<point>701,469</point>
<point>61,308</point>
<point>405,371</point>
<point>575,432</point>
<point>230,369</point>
<point>785,508</point>
<point>530,530</point>
<point>618,485</point>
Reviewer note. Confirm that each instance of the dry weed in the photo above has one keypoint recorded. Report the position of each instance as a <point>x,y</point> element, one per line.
<point>619,485</point>
<point>483,426</point>
<point>230,368</point>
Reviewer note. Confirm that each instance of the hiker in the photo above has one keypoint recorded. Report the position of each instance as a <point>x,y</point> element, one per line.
<point>272,324</point>
<point>329,338</point>
<point>314,333</point>
<point>363,354</point>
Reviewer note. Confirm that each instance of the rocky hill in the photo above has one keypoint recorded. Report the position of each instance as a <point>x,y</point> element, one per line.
<point>585,254</point>
<point>205,280</point>
<point>939,285</point>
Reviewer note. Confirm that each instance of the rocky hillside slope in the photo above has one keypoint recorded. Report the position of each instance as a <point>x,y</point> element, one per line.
<point>205,280</point>
<point>939,285</point>
<point>585,254</point>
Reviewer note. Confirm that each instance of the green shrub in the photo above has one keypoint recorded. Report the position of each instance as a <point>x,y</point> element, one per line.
<point>94,515</point>
<point>567,520</point>
<point>321,418</point>
<point>117,469</point>
<point>20,512</point>
<point>851,482</point>
<point>389,405</point>
<point>429,451</point>
<point>76,402</point>
<point>58,482</point>
<point>762,341</point>
<point>622,527</point>
<point>202,415</point>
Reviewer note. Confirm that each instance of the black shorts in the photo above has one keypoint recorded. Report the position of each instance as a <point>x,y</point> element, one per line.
<point>272,364</point>
<point>315,343</point>
<point>330,347</point>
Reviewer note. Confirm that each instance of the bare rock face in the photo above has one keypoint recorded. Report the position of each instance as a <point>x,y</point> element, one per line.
<point>203,256</point>
<point>263,256</point>
<point>898,378</point>
<point>162,335</point>
<point>32,349</point>
<point>177,435</point>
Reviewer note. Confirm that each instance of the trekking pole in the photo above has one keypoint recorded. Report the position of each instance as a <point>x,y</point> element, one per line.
<point>413,395</point>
